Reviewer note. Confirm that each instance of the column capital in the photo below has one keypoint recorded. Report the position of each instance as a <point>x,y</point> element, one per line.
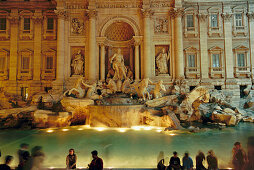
<point>250,15</point>
<point>13,19</point>
<point>176,12</point>
<point>227,16</point>
<point>147,13</point>
<point>91,13</point>
<point>202,16</point>
<point>61,13</point>
<point>101,41</point>
<point>137,40</point>
<point>37,19</point>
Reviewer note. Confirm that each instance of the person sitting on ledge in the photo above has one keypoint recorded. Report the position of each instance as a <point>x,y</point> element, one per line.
<point>6,166</point>
<point>187,162</point>
<point>174,163</point>
<point>97,163</point>
<point>71,160</point>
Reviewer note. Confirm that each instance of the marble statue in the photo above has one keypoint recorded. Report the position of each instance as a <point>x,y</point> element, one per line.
<point>78,63</point>
<point>91,91</point>
<point>77,26</point>
<point>157,90</point>
<point>141,89</point>
<point>126,86</point>
<point>112,87</point>
<point>77,88</point>
<point>118,66</point>
<point>162,62</point>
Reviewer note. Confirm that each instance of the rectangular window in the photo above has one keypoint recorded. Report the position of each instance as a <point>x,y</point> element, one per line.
<point>190,21</point>
<point>25,62</point>
<point>238,20</point>
<point>50,23</point>
<point>216,60</point>
<point>241,60</point>
<point>2,23</point>
<point>26,24</point>
<point>49,62</point>
<point>192,60</point>
<point>214,20</point>
<point>2,64</point>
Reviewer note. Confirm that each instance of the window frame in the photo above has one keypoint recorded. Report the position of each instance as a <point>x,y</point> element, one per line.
<point>191,31</point>
<point>216,72</point>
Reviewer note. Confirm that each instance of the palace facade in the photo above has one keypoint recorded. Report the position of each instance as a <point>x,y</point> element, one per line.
<point>48,44</point>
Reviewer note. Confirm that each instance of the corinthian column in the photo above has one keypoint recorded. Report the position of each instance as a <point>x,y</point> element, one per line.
<point>14,20</point>
<point>179,59</point>
<point>203,45</point>
<point>102,62</point>
<point>61,14</point>
<point>228,44</point>
<point>37,45</point>
<point>251,28</point>
<point>147,59</point>
<point>92,59</point>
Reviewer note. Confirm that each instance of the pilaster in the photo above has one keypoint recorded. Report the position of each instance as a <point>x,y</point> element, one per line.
<point>203,44</point>
<point>251,40</point>
<point>92,58</point>
<point>37,44</point>
<point>229,64</point>
<point>147,58</point>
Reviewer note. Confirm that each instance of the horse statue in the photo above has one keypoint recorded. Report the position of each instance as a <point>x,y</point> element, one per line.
<point>77,88</point>
<point>141,89</point>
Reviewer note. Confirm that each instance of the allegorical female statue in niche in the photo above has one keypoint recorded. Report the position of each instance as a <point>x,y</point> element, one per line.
<point>118,66</point>
<point>162,62</point>
<point>78,63</point>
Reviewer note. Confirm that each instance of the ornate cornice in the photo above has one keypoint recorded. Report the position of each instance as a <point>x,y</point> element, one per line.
<point>227,16</point>
<point>250,15</point>
<point>91,13</point>
<point>202,16</point>
<point>176,12</point>
<point>147,12</point>
<point>61,13</point>
<point>13,19</point>
<point>37,19</point>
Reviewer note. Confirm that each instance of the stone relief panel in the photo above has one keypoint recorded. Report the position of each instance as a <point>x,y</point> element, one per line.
<point>162,60</point>
<point>161,25</point>
<point>77,60</point>
<point>77,26</point>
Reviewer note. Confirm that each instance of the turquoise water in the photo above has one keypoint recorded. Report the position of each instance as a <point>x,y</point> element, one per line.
<point>119,148</point>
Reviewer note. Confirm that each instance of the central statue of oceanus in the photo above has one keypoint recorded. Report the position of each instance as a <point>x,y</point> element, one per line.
<point>118,66</point>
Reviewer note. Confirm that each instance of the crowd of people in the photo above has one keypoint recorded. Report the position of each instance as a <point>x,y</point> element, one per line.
<point>34,161</point>
<point>240,160</point>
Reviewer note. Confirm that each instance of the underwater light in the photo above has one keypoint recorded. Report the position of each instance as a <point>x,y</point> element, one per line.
<point>50,131</point>
<point>136,127</point>
<point>64,130</point>
<point>80,129</point>
<point>172,134</point>
<point>121,130</point>
<point>100,128</point>
<point>147,128</point>
<point>158,130</point>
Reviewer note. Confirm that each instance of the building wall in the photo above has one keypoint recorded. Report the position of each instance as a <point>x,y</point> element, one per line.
<point>83,26</point>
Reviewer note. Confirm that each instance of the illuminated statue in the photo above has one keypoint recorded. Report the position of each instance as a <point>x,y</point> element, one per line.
<point>162,62</point>
<point>78,64</point>
<point>118,66</point>
<point>79,91</point>
<point>158,87</point>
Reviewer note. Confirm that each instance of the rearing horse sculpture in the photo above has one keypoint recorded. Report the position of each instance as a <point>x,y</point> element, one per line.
<point>77,88</point>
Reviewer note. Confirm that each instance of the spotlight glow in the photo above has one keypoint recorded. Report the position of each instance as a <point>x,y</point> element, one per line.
<point>136,127</point>
<point>100,129</point>
<point>50,131</point>
<point>158,130</point>
<point>147,128</point>
<point>172,134</point>
<point>65,130</point>
<point>80,129</point>
<point>122,130</point>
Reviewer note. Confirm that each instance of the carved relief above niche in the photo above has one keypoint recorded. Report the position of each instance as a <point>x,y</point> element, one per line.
<point>161,25</point>
<point>162,60</point>
<point>77,63</point>
<point>77,26</point>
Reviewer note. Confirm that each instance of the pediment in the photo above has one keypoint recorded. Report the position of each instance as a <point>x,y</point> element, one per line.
<point>241,48</point>
<point>190,49</point>
<point>215,48</point>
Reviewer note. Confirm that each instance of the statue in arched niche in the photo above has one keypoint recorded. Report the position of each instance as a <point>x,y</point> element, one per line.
<point>162,62</point>
<point>77,63</point>
<point>118,66</point>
